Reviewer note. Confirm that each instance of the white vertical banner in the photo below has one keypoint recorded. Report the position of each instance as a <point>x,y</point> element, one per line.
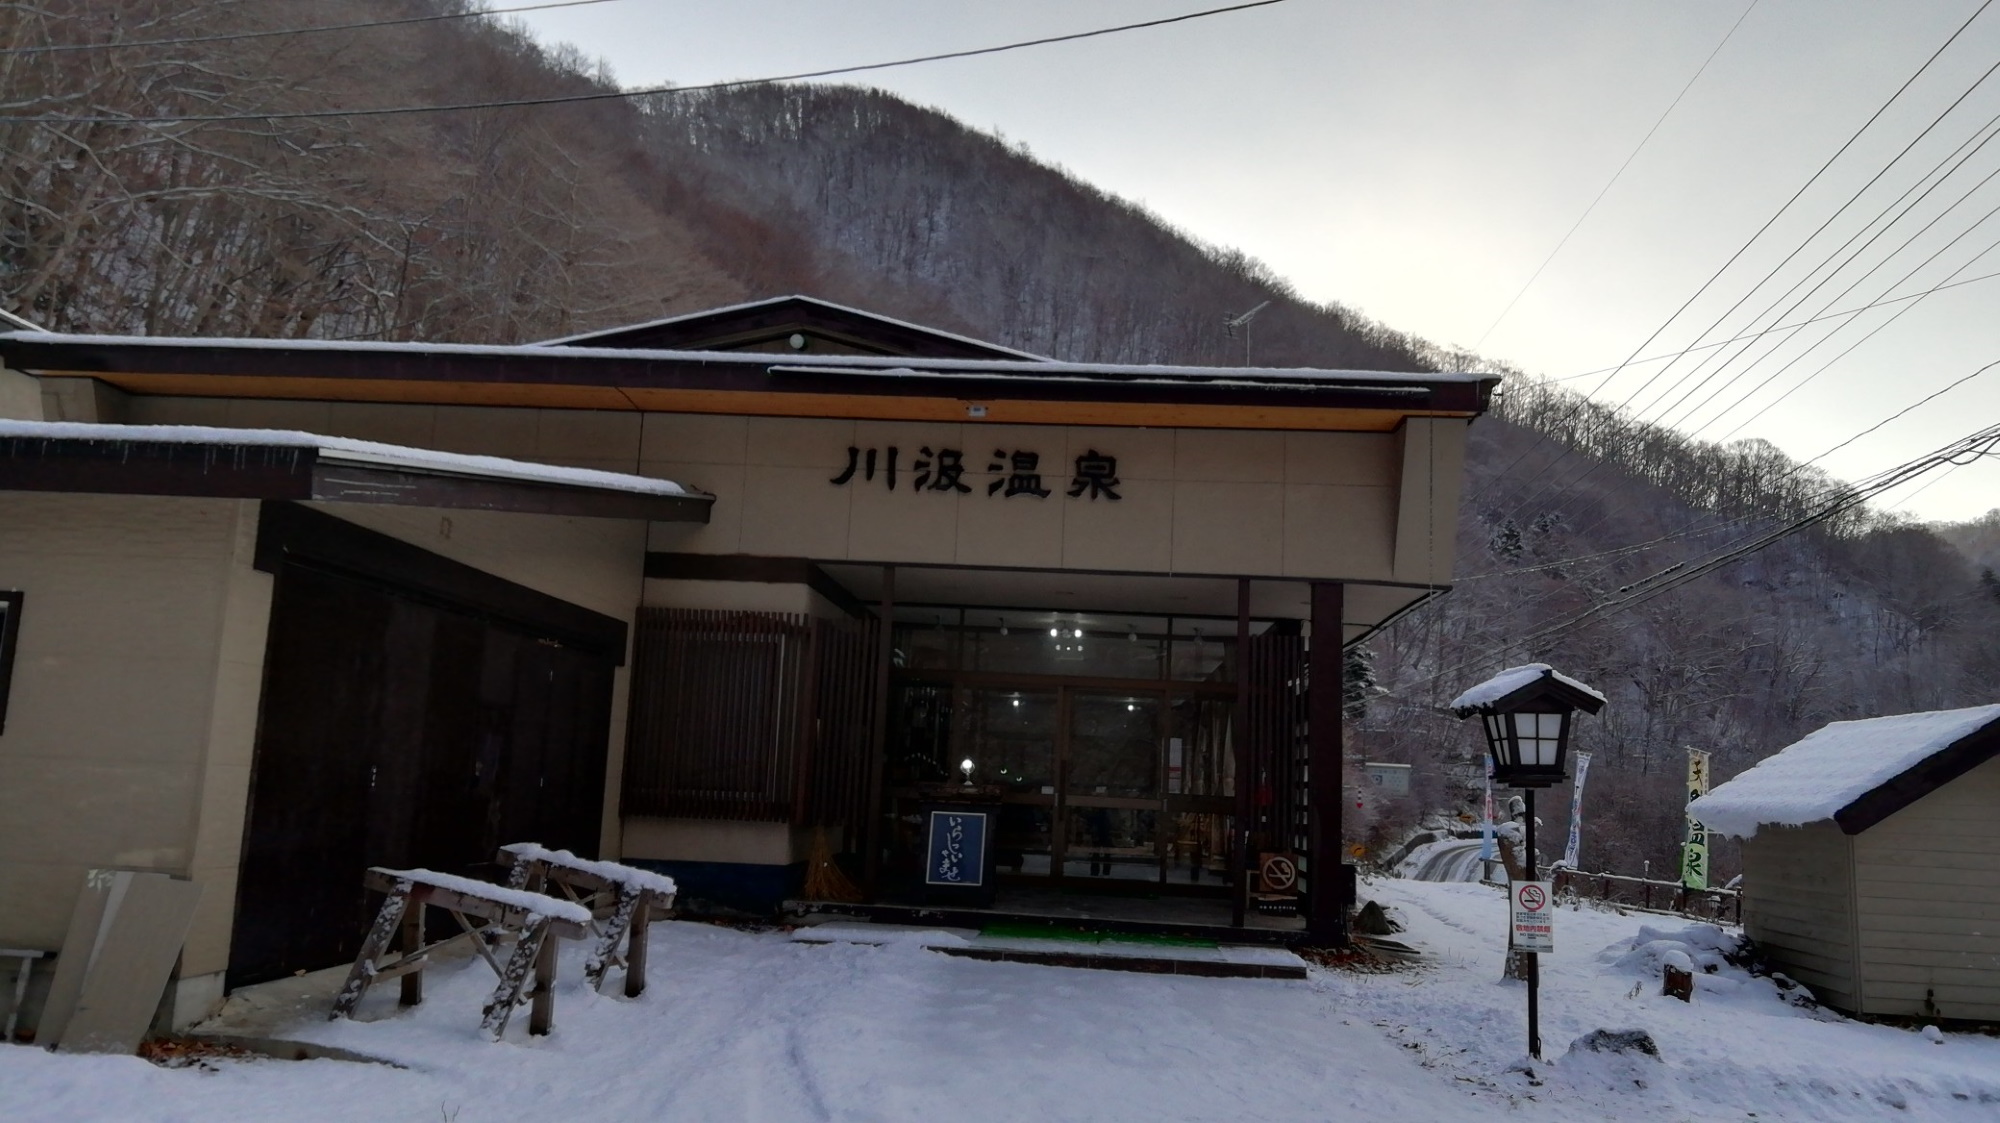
<point>1487,850</point>
<point>1694,852</point>
<point>1576,811</point>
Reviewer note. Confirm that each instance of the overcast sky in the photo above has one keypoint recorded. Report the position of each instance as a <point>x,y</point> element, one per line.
<point>1419,159</point>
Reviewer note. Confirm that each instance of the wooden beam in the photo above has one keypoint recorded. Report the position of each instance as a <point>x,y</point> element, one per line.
<point>1239,740</point>
<point>874,407</point>
<point>350,483</point>
<point>248,470</point>
<point>1326,906</point>
<point>672,566</point>
<point>878,738</point>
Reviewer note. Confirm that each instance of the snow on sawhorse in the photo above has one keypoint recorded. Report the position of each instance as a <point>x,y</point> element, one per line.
<point>637,897</point>
<point>533,922</point>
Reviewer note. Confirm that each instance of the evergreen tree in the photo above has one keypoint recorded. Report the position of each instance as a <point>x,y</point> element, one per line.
<point>1358,683</point>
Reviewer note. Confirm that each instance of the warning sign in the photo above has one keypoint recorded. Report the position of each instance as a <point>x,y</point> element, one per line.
<point>1534,918</point>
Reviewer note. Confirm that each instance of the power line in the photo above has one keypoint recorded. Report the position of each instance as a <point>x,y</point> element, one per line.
<point>1741,250</point>
<point>234,36</point>
<point>1608,184</point>
<point>1973,446</point>
<point>1851,200</point>
<point>612,95</point>
<point>1983,136</point>
<point>1881,303</point>
<point>1814,178</point>
<point>1900,313</point>
<point>1725,523</point>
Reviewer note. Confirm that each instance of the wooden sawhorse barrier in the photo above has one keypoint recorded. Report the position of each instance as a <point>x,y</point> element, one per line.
<point>635,896</point>
<point>535,922</point>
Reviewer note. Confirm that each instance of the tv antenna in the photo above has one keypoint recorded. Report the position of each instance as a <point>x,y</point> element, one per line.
<point>1231,322</point>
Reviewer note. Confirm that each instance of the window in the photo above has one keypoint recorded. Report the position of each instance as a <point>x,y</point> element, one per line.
<point>10,627</point>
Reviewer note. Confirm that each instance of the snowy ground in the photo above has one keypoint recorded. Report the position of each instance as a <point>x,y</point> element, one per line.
<point>760,1027</point>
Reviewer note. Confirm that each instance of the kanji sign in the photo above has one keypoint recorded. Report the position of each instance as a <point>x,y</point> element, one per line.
<point>1011,474</point>
<point>1694,849</point>
<point>1534,919</point>
<point>956,854</point>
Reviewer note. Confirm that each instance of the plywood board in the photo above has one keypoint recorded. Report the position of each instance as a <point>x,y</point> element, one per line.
<point>140,939</point>
<point>86,923</point>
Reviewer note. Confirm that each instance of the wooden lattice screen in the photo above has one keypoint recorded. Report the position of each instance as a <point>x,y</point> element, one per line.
<point>756,716</point>
<point>1274,729</point>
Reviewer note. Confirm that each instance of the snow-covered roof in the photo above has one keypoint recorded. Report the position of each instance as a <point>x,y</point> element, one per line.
<point>1827,771</point>
<point>344,450</point>
<point>1028,368</point>
<point>1512,679</point>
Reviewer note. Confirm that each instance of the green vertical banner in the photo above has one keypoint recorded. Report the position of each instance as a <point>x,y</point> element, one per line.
<point>1694,851</point>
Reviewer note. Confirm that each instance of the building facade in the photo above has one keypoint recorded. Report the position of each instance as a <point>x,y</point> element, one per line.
<point>291,620</point>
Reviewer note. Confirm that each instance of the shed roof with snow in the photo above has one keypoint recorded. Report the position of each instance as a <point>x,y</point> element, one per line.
<point>1856,773</point>
<point>1871,862</point>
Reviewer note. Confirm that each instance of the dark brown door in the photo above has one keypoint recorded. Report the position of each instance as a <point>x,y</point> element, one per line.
<point>399,732</point>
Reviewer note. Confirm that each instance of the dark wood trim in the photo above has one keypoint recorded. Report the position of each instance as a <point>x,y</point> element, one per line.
<point>10,638</point>
<point>753,568</point>
<point>142,467</point>
<point>1930,774</point>
<point>288,533</point>
<point>878,737</point>
<point>1326,910</point>
<point>351,483</point>
<point>953,381</point>
<point>248,470</point>
<point>1239,736</point>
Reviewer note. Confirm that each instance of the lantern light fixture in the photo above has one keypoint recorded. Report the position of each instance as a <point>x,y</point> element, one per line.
<point>1527,713</point>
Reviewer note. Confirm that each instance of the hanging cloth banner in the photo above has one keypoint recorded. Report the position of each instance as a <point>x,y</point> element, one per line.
<point>1576,811</point>
<point>1487,850</point>
<point>1694,852</point>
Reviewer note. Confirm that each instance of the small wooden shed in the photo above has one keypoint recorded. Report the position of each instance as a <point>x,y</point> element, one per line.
<point>1871,862</point>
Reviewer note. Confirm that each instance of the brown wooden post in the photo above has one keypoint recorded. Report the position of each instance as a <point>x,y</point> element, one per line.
<point>1246,782</point>
<point>878,737</point>
<point>635,948</point>
<point>413,944</point>
<point>542,1011</point>
<point>809,731</point>
<point>1326,912</point>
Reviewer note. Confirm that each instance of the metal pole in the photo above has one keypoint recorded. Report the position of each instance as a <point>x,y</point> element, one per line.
<point>1534,958</point>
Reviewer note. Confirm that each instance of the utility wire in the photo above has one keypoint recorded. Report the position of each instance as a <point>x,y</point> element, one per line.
<point>234,36</point>
<point>1882,303</point>
<point>1978,444</point>
<point>1741,250</point>
<point>613,95</point>
<point>1577,480</point>
<point>1957,160</point>
<point>1608,184</point>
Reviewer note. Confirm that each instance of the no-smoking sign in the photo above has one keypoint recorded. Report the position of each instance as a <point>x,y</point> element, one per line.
<point>1534,920</point>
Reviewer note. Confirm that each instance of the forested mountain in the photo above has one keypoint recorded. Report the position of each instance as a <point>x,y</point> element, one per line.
<point>512,224</point>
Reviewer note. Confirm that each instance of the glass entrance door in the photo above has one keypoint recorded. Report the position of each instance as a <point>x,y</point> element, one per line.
<point>1101,781</point>
<point>1111,803</point>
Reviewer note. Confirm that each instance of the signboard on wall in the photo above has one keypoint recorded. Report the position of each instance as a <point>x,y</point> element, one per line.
<point>955,848</point>
<point>1016,474</point>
